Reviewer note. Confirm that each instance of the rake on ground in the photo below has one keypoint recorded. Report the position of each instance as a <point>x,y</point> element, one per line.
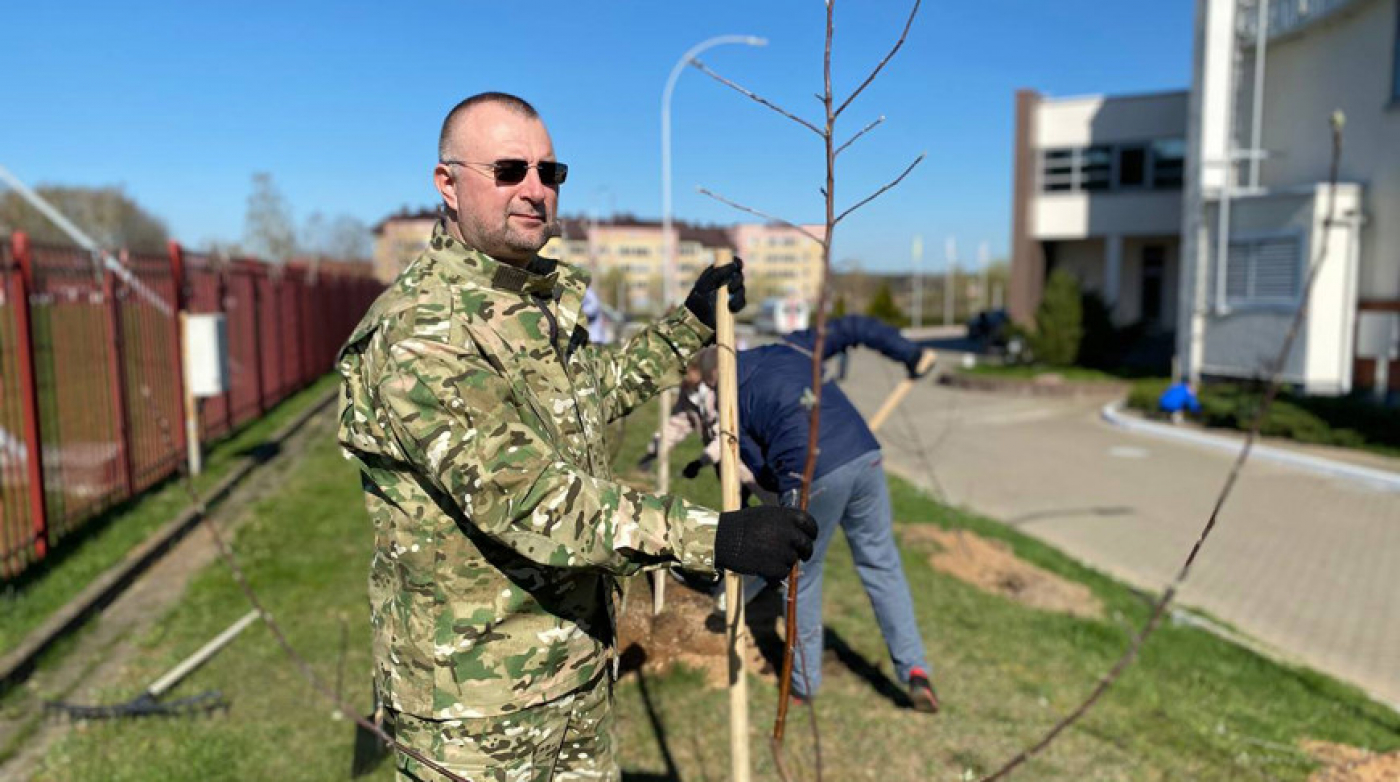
<point>149,704</point>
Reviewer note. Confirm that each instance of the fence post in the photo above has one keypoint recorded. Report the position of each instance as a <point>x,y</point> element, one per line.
<point>224,270</point>
<point>254,274</point>
<point>177,342</point>
<point>280,334</point>
<point>29,395</point>
<point>116,375</point>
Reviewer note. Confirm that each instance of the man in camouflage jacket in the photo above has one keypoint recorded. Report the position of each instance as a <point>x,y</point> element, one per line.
<point>476,408</point>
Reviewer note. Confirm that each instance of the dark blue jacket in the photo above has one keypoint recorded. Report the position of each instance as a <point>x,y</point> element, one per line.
<point>772,420</point>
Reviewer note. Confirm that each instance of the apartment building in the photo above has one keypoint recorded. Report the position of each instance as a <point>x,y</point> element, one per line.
<point>399,238</point>
<point>778,261</point>
<point>1250,195</point>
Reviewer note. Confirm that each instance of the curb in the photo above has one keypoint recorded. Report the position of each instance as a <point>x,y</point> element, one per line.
<point>16,666</point>
<point>1063,389</point>
<point>1373,478</point>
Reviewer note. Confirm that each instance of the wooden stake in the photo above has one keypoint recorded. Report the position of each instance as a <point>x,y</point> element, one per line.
<point>900,391</point>
<point>733,583</point>
<point>663,486</point>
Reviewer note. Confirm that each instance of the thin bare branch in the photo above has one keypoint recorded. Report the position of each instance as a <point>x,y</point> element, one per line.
<point>764,215</point>
<point>881,191</point>
<point>862,132</point>
<point>700,66</point>
<point>897,44</point>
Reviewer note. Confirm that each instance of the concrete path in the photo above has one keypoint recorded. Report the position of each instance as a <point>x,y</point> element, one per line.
<point>1306,563</point>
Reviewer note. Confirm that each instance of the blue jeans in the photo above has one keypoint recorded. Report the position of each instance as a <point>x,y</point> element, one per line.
<point>855,498</point>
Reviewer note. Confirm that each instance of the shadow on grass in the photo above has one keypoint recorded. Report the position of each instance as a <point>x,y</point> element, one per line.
<point>1104,511</point>
<point>856,663</point>
<point>659,729</point>
<point>763,613</point>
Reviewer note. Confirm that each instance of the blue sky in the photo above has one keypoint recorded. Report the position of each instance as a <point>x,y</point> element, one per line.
<point>181,102</point>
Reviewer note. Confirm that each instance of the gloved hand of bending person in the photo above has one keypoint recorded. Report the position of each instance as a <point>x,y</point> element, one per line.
<point>701,300</point>
<point>921,364</point>
<point>692,470</point>
<point>764,541</point>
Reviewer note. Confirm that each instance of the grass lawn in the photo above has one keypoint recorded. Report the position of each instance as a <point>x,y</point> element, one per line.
<point>1194,707</point>
<point>104,540</point>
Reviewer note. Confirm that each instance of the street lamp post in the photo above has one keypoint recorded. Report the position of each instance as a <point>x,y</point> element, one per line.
<point>668,253</point>
<point>668,245</point>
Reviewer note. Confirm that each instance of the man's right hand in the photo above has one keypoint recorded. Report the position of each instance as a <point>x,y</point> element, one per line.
<point>764,541</point>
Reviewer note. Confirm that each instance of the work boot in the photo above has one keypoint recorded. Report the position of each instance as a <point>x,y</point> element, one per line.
<point>921,693</point>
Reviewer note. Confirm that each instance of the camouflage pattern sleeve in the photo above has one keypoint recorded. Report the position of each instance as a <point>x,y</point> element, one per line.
<point>652,360</point>
<point>448,410</point>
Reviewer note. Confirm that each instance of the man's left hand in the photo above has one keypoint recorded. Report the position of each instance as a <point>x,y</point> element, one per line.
<point>701,300</point>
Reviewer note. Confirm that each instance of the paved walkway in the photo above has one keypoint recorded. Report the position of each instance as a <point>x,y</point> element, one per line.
<point>1307,564</point>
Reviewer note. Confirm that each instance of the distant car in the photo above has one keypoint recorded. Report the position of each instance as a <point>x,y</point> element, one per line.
<point>781,316</point>
<point>989,326</point>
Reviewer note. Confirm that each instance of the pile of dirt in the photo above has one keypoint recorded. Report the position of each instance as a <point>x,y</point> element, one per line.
<point>1341,763</point>
<point>688,632</point>
<point>991,566</point>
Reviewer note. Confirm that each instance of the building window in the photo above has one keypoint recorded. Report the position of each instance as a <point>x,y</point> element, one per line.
<point>1096,168</point>
<point>1263,271</point>
<point>1168,163</point>
<point>1107,167</point>
<point>1132,165</point>
<point>1057,172</point>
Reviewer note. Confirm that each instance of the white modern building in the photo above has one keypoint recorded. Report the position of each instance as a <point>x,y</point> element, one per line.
<point>1250,200</point>
<point>1098,193</point>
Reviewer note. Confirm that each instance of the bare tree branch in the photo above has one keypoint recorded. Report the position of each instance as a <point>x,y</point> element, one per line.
<point>897,44</point>
<point>862,132</point>
<point>700,66</point>
<point>764,215</point>
<point>881,191</point>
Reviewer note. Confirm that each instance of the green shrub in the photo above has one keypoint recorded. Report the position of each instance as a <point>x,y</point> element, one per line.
<point>882,306</point>
<point>1145,393</point>
<point>1349,422</point>
<point>1059,322</point>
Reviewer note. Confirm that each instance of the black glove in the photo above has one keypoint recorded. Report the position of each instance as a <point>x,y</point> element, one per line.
<point>764,541</point>
<point>692,470</point>
<point>701,300</point>
<point>646,461</point>
<point>913,365</point>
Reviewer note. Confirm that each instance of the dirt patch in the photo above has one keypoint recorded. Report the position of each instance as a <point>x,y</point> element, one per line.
<point>1341,763</point>
<point>688,632</point>
<point>991,566</point>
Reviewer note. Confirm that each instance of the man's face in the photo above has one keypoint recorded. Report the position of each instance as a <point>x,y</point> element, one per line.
<point>507,222</point>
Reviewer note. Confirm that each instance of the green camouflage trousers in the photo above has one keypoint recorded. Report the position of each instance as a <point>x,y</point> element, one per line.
<point>565,739</point>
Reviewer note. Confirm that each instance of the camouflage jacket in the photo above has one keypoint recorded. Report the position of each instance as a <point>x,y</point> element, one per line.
<point>476,407</point>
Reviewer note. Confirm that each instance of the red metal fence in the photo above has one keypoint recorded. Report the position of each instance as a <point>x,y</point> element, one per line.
<point>90,364</point>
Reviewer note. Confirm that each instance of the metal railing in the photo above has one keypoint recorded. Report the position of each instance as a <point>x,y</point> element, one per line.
<point>1285,16</point>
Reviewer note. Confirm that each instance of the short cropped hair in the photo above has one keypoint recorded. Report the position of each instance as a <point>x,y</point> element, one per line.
<point>519,105</point>
<point>706,361</point>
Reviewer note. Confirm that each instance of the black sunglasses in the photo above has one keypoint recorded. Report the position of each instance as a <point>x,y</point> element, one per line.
<point>512,172</point>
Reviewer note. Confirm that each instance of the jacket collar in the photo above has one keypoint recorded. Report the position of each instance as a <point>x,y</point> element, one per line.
<point>464,264</point>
